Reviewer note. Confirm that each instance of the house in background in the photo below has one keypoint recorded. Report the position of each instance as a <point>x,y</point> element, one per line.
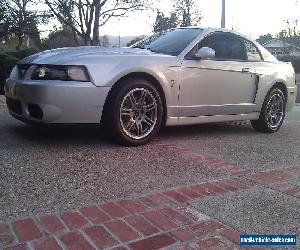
<point>280,48</point>
<point>9,44</point>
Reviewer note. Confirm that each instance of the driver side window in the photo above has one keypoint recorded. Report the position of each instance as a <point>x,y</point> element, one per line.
<point>227,46</point>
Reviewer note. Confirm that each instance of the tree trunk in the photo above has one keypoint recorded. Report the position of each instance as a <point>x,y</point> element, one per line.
<point>87,39</point>
<point>20,43</point>
<point>96,40</point>
<point>75,38</point>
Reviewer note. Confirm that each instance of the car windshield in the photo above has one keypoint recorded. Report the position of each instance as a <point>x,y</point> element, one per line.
<point>171,42</point>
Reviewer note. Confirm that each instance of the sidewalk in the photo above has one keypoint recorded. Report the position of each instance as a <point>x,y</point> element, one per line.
<point>162,219</point>
<point>154,221</point>
<point>298,84</point>
<point>298,78</point>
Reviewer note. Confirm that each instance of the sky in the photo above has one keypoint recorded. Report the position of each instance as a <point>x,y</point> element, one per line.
<point>252,17</point>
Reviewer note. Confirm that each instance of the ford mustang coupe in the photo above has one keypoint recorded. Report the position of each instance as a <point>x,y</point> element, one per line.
<point>182,76</point>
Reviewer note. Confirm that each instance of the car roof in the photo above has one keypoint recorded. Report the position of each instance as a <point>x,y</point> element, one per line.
<point>207,30</point>
<point>211,29</point>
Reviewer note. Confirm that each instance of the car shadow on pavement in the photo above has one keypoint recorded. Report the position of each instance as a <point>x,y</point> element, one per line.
<point>96,135</point>
<point>216,129</point>
<point>63,134</point>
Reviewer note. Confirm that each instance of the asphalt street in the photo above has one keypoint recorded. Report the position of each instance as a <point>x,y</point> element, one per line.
<point>63,168</point>
<point>43,171</point>
<point>298,85</point>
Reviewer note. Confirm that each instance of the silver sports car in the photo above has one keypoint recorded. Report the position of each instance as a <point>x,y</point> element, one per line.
<point>182,76</point>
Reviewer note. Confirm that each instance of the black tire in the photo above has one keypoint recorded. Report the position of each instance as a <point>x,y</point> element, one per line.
<point>114,124</point>
<point>262,124</point>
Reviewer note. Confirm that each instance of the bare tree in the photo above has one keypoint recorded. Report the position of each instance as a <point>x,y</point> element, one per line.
<point>85,17</point>
<point>187,12</point>
<point>291,30</point>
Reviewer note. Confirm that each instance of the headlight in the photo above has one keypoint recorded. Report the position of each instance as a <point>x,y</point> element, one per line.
<point>63,73</point>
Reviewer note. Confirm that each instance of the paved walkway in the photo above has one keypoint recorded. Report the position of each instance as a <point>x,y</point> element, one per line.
<point>163,219</point>
<point>298,83</point>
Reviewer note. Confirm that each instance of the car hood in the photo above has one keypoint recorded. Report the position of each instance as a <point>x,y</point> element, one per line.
<point>72,54</point>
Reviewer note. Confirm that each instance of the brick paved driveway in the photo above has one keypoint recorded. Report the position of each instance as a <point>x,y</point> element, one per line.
<point>194,187</point>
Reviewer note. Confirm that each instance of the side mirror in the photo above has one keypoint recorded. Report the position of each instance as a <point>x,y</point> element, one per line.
<point>205,53</point>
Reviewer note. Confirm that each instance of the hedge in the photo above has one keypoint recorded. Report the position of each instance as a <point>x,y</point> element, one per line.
<point>7,62</point>
<point>296,65</point>
<point>294,60</point>
<point>23,53</point>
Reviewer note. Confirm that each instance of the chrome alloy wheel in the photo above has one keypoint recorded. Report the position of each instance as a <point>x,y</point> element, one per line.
<point>275,111</point>
<point>138,113</point>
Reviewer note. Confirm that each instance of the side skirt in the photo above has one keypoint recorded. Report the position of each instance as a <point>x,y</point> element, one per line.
<point>173,121</point>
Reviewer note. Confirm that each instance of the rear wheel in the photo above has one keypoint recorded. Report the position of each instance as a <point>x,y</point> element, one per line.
<point>273,112</point>
<point>134,112</point>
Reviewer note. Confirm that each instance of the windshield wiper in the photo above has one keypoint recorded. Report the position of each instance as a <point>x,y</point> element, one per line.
<point>139,47</point>
<point>152,50</point>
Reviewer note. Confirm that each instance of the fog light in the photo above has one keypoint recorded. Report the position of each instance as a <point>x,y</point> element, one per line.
<point>35,111</point>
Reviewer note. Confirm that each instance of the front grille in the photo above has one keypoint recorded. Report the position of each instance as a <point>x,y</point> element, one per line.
<point>14,106</point>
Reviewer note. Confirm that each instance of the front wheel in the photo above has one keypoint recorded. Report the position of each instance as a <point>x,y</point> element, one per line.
<point>135,112</point>
<point>273,112</point>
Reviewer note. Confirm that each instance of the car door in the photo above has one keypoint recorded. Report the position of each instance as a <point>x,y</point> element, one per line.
<point>225,85</point>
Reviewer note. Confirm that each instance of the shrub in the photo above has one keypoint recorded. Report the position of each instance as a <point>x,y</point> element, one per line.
<point>7,62</point>
<point>23,53</point>
<point>296,65</point>
<point>294,60</point>
<point>59,39</point>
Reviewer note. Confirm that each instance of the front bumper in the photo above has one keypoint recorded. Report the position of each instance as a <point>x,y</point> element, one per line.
<point>59,101</point>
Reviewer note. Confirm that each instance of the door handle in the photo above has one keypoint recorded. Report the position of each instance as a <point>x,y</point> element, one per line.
<point>245,70</point>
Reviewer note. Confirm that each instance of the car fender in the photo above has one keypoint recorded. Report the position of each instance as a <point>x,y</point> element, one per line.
<point>164,70</point>
<point>268,81</point>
